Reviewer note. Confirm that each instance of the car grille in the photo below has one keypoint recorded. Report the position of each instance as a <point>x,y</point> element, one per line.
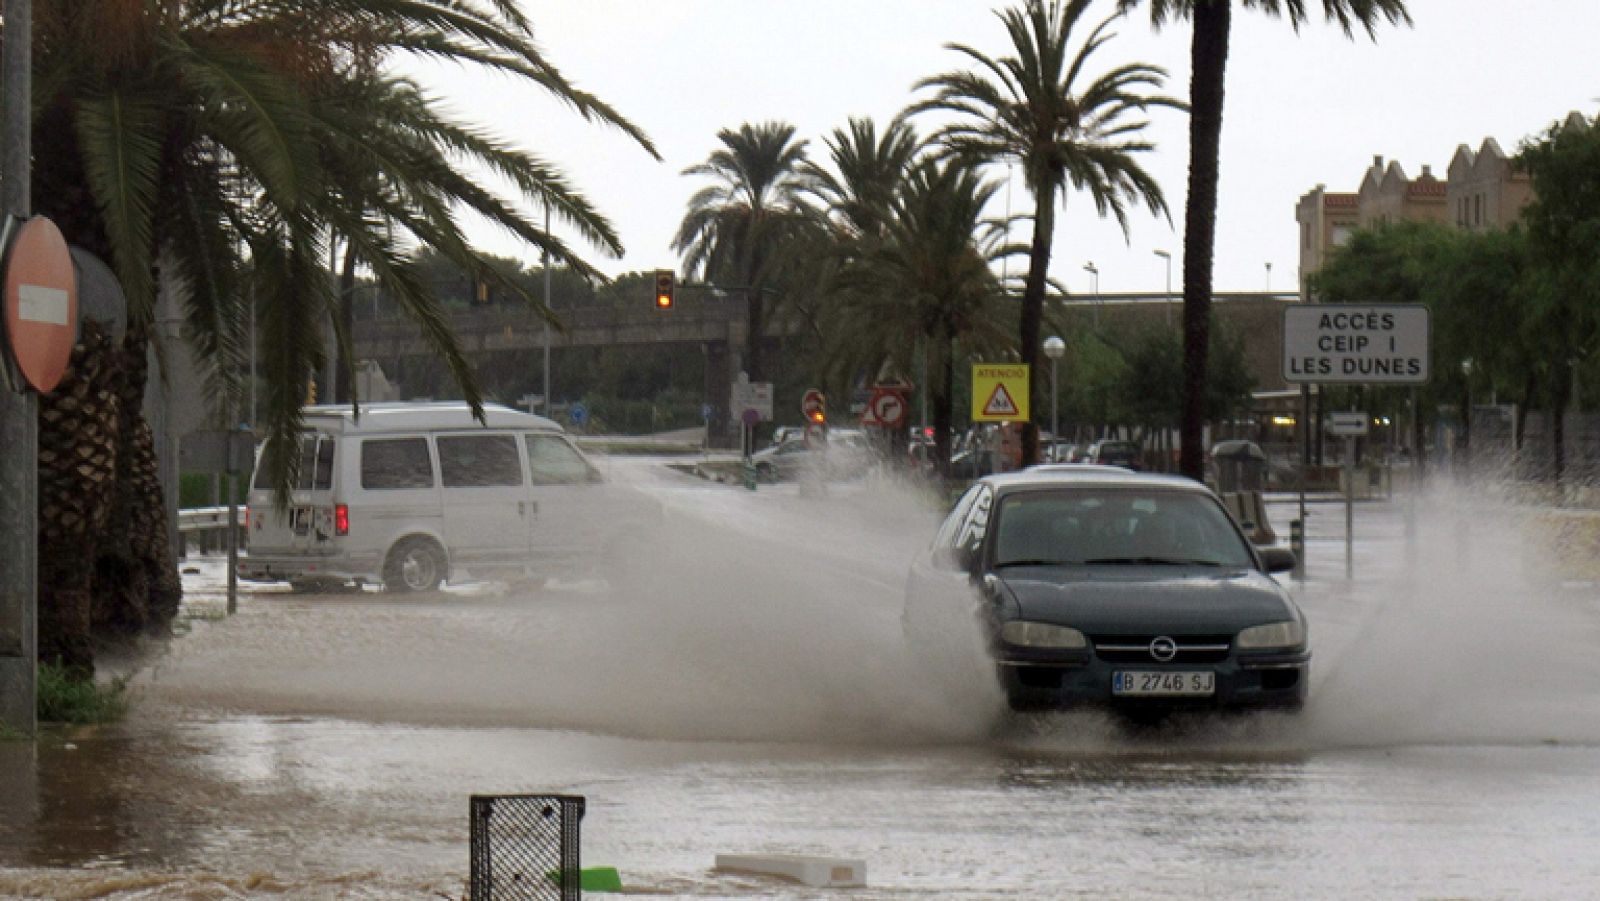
<point>1136,648</point>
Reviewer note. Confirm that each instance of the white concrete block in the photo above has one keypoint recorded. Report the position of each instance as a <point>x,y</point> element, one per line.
<point>821,872</point>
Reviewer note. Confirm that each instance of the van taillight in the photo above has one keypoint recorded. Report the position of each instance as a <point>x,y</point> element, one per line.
<point>341,519</point>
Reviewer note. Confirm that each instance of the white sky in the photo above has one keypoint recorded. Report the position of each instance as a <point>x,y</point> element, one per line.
<point>1300,110</point>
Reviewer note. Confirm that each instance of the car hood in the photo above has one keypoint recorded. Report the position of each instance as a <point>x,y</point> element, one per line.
<point>1104,599</point>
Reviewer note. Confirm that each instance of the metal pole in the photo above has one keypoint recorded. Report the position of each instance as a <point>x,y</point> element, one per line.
<point>1055,410</point>
<point>1168,303</point>
<point>233,530</point>
<point>547,399</point>
<point>1349,505</point>
<point>19,414</point>
<point>251,294</point>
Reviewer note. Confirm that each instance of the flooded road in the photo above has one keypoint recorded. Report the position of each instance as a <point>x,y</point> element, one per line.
<point>758,698</point>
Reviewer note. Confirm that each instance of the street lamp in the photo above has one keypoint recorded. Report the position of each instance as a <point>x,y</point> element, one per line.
<point>1466,413</point>
<point>1167,305</point>
<point>1095,273</point>
<point>1054,347</point>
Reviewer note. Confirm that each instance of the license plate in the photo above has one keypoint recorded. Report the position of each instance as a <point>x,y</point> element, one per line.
<point>1163,684</point>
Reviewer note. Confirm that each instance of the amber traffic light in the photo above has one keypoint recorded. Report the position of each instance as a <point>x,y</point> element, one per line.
<point>664,289</point>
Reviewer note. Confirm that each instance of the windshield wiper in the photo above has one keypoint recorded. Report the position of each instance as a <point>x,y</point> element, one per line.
<point>1149,561</point>
<point>1032,563</point>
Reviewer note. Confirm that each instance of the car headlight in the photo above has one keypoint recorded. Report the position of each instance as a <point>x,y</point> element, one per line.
<point>1273,635</point>
<point>1041,635</point>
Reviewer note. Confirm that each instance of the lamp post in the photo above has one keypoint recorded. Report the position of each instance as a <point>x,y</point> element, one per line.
<point>1167,303</point>
<point>1466,412</point>
<point>1054,347</point>
<point>1095,276</point>
<point>1269,276</point>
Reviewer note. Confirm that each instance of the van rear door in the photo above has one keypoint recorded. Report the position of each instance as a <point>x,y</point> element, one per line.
<point>307,526</point>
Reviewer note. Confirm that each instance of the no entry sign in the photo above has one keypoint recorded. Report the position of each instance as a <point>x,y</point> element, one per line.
<point>41,303</point>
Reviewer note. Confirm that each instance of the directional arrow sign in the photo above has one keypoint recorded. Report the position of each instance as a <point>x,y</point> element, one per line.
<point>888,408</point>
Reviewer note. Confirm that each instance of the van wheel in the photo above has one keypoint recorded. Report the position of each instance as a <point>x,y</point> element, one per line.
<point>415,564</point>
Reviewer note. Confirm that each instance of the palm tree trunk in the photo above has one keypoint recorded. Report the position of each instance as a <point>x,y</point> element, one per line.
<point>77,473</point>
<point>1209,58</point>
<point>136,587</point>
<point>1044,227</point>
<point>755,322</point>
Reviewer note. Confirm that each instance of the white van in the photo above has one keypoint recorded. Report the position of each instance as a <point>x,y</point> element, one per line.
<point>413,494</point>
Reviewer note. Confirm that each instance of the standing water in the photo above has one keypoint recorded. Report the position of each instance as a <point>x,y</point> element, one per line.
<point>755,695</point>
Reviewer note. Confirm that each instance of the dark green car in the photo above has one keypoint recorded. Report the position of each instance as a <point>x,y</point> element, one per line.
<point>1103,586</point>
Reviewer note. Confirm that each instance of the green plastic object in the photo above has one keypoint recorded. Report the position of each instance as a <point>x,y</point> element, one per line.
<point>600,879</point>
<point>594,879</point>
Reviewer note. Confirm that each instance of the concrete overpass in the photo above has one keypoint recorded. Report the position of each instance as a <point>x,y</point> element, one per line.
<point>715,320</point>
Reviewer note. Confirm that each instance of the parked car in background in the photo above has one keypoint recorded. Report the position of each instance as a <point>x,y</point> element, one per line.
<point>1101,586</point>
<point>1060,452</point>
<point>1114,453</point>
<point>845,456</point>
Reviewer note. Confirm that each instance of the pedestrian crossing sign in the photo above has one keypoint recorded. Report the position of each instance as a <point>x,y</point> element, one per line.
<point>999,392</point>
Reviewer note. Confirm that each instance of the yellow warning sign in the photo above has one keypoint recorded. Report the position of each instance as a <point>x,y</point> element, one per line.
<point>999,392</point>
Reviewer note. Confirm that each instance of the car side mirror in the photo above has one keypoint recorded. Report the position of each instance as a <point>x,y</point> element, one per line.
<point>1277,559</point>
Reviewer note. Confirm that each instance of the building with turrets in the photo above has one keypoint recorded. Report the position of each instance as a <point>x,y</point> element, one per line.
<point>1483,189</point>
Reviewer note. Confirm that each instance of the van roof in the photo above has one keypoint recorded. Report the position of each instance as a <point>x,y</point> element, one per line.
<point>423,416</point>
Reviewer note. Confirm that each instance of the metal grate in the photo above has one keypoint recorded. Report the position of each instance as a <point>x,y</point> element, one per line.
<point>525,847</point>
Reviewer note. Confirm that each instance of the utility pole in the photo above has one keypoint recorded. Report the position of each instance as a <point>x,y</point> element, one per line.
<point>19,413</point>
<point>548,400</point>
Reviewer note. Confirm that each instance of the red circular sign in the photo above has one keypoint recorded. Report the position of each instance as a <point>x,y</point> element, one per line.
<point>811,402</point>
<point>41,301</point>
<point>889,408</point>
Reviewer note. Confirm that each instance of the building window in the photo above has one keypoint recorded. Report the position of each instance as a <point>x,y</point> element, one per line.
<point>1477,209</point>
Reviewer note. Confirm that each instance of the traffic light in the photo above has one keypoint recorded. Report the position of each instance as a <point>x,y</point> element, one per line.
<point>664,289</point>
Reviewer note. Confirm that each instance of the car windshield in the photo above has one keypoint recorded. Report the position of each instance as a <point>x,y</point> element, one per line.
<point>1104,526</point>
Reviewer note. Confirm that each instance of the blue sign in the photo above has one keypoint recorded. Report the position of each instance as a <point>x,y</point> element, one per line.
<point>705,412</point>
<point>578,413</point>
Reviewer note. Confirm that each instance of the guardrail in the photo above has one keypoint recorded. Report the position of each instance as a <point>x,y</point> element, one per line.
<point>208,526</point>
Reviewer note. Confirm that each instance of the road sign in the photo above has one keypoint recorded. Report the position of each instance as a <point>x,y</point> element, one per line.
<point>888,408</point>
<point>999,392</point>
<point>815,435</point>
<point>1373,344</point>
<point>705,412</point>
<point>578,413</point>
<point>748,395</point>
<point>811,402</point>
<point>41,303</point>
<point>1350,423</point>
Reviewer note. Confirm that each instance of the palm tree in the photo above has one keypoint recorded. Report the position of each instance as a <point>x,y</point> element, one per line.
<point>741,229</point>
<point>868,170</point>
<point>1208,55</point>
<point>212,147</point>
<point>1041,108</point>
<point>853,199</point>
<point>926,277</point>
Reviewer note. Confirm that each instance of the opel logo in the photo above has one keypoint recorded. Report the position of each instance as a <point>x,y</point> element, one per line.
<point>1163,648</point>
